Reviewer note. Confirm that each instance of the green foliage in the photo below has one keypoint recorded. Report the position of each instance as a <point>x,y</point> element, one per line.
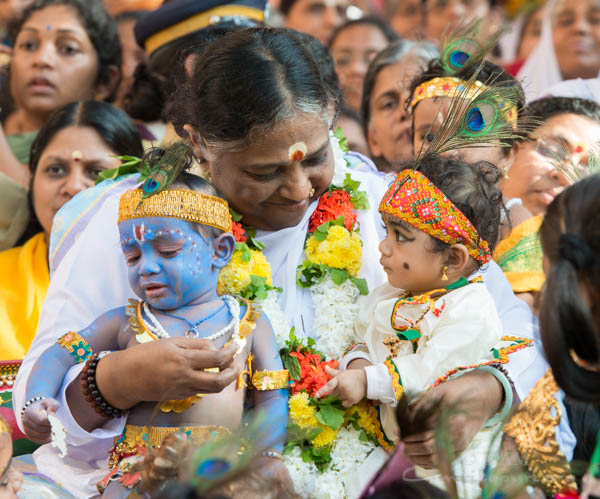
<point>310,273</point>
<point>330,411</point>
<point>359,198</point>
<point>320,233</point>
<point>338,133</point>
<point>129,165</point>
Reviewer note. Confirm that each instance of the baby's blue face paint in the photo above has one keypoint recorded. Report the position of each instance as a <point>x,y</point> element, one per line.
<point>170,264</point>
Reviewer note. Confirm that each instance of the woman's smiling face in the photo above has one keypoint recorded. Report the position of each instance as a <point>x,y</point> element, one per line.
<point>266,184</point>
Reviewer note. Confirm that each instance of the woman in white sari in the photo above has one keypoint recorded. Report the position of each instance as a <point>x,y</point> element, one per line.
<point>255,103</point>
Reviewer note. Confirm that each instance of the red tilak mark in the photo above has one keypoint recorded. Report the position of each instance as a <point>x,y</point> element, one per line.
<point>579,149</point>
<point>297,155</point>
<point>139,232</point>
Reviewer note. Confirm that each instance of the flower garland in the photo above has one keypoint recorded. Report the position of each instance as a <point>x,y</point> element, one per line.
<point>326,442</point>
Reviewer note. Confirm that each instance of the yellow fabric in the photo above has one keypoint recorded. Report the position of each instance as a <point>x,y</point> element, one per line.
<point>24,281</point>
<point>520,256</point>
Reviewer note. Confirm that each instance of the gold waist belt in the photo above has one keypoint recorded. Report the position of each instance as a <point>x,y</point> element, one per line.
<point>135,437</point>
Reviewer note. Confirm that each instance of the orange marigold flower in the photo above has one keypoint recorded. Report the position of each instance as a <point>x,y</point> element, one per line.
<point>331,206</point>
<point>238,232</point>
<point>312,372</point>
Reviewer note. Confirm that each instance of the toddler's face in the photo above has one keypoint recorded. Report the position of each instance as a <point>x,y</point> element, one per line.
<point>170,264</point>
<point>407,259</point>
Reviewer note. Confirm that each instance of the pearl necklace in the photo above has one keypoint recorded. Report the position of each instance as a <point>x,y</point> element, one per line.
<point>234,309</point>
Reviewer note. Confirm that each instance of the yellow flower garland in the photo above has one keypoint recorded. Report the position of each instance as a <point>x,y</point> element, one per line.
<point>340,249</point>
<point>235,276</point>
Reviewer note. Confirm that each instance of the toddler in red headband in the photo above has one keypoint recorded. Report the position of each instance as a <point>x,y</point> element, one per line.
<point>433,319</point>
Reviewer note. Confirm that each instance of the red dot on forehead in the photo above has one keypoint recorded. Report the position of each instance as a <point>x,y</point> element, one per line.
<point>139,231</point>
<point>297,156</point>
<point>579,149</point>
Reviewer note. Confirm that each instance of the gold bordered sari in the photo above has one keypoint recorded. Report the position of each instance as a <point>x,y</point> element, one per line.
<point>520,256</point>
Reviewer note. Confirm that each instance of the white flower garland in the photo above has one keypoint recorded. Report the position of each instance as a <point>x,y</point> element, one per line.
<point>347,455</point>
<point>335,314</point>
<point>335,305</point>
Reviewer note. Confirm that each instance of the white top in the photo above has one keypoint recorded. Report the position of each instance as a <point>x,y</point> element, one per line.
<point>91,278</point>
<point>460,330</point>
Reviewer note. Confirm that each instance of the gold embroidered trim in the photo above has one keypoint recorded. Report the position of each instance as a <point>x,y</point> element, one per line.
<point>270,380</point>
<point>134,437</point>
<point>396,381</point>
<point>533,428</point>
<point>186,205</point>
<point>77,347</point>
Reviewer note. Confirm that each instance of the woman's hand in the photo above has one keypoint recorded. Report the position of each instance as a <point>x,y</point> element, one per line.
<point>171,368</point>
<point>472,398</point>
<point>35,420</point>
<point>349,386</point>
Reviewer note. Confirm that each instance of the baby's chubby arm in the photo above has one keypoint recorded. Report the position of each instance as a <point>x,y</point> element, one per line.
<point>272,401</point>
<point>51,367</point>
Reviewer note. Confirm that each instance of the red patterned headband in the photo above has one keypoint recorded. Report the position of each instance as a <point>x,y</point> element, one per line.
<point>414,199</point>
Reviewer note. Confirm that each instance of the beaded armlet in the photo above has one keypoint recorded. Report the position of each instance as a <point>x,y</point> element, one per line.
<point>79,349</point>
<point>533,427</point>
<point>270,380</point>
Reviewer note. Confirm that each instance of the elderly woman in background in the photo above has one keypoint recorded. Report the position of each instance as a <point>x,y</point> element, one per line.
<point>386,119</point>
<point>353,46</point>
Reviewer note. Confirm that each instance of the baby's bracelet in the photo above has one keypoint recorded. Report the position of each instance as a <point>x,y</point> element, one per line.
<point>92,393</point>
<point>29,402</point>
<point>502,376</point>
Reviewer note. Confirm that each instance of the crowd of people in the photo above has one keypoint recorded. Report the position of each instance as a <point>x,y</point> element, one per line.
<point>299,248</point>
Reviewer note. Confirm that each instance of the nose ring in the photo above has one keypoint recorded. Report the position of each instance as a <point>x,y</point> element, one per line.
<point>312,192</point>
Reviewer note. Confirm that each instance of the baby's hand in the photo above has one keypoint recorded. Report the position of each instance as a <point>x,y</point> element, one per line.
<point>35,420</point>
<point>349,386</point>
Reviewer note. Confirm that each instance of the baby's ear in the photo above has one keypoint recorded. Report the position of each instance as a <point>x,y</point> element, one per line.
<point>223,247</point>
<point>458,258</point>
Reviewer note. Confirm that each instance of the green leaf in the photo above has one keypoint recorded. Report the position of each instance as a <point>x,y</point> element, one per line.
<point>361,284</point>
<point>363,436</point>
<point>339,134</point>
<point>293,366</point>
<point>360,200</point>
<point>331,416</point>
<point>339,276</point>
<point>235,215</point>
<point>350,184</point>
<point>254,244</point>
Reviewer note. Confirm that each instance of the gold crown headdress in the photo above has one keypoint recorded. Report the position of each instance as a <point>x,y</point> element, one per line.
<point>190,206</point>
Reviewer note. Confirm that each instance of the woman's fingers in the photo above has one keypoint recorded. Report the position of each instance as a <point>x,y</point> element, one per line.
<point>328,388</point>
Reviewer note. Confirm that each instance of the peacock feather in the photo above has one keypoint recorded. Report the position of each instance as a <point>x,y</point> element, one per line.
<point>558,153</point>
<point>463,47</point>
<point>480,116</point>
<point>163,173</point>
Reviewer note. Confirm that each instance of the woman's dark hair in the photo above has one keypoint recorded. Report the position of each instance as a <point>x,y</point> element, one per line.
<point>543,109</point>
<point>157,79</point>
<point>114,127</point>
<point>487,72</point>
<point>570,304</point>
<point>99,26</point>
<point>326,64</point>
<point>472,188</point>
<point>249,81</point>
<point>385,29</point>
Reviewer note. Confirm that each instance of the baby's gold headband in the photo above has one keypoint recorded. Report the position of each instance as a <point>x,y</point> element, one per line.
<point>190,206</point>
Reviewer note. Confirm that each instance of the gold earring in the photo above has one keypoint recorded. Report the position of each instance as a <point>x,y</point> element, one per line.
<point>444,276</point>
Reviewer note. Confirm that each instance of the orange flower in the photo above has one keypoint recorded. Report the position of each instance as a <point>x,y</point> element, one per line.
<point>238,232</point>
<point>312,372</point>
<point>331,206</point>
